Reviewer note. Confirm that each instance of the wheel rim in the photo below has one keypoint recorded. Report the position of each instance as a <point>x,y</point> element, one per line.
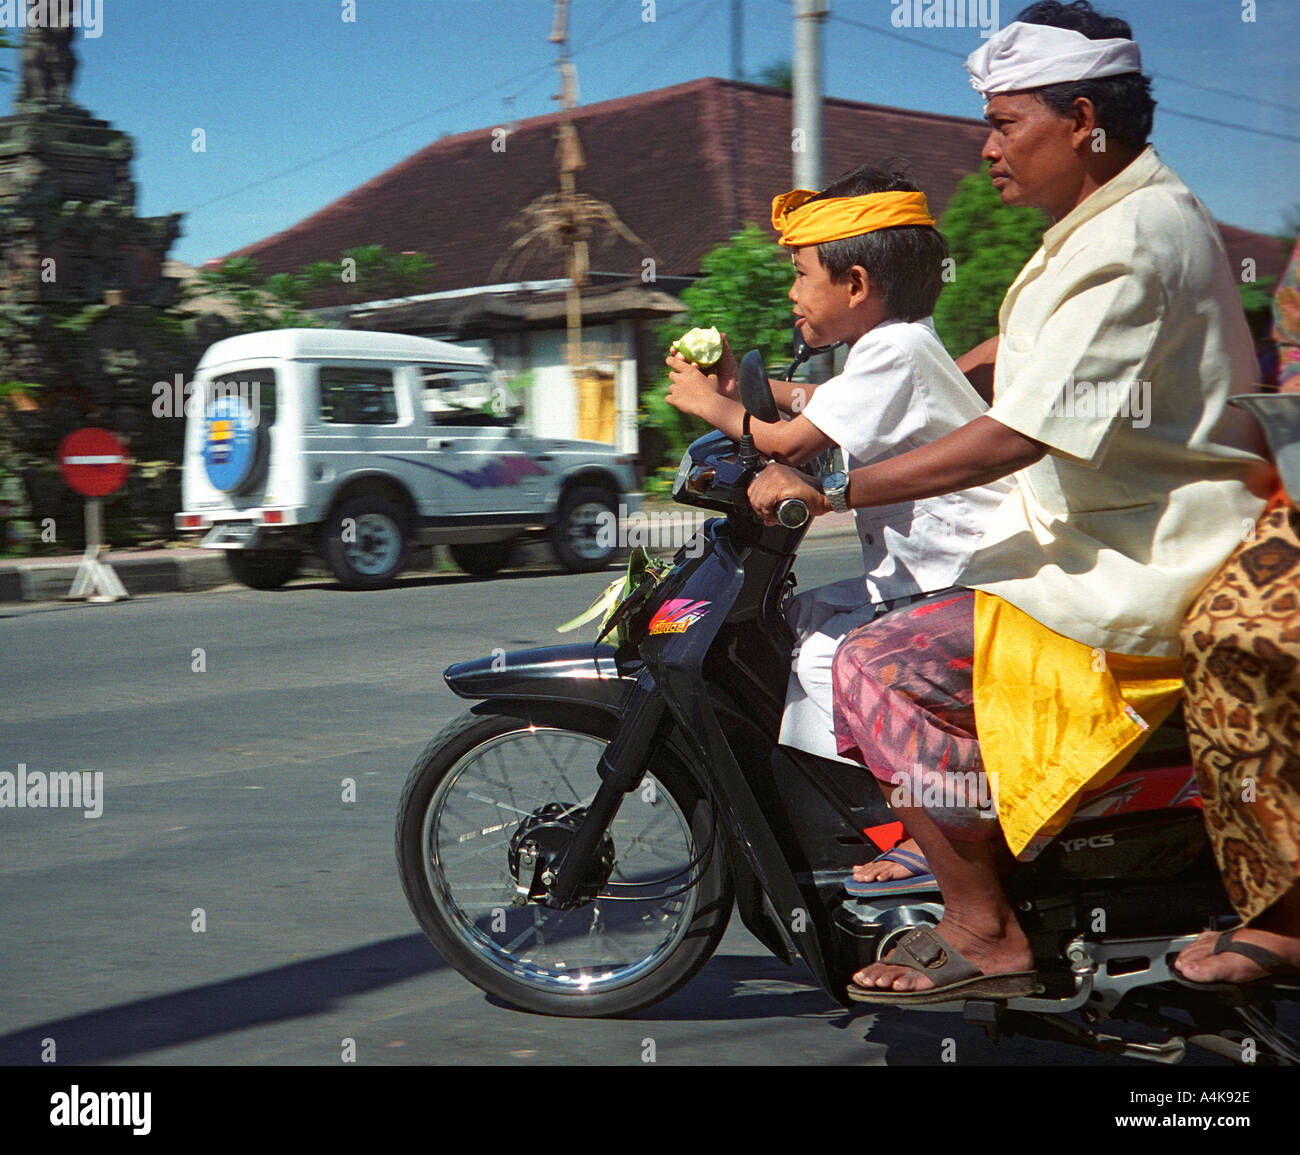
<point>601,946</point>
<point>377,547</point>
<point>583,530</point>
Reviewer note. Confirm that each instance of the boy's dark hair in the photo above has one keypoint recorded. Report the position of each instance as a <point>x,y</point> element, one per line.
<point>1125,109</point>
<point>905,263</point>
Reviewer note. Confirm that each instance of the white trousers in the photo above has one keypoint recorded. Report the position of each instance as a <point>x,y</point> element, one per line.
<point>821,619</point>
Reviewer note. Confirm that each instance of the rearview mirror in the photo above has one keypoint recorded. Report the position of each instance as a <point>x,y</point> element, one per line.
<point>755,390</point>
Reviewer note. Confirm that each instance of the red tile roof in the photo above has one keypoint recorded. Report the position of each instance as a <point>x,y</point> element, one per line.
<point>664,160</point>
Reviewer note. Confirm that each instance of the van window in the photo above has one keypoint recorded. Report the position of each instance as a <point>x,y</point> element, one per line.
<point>463,395</point>
<point>358,397</point>
<point>255,387</point>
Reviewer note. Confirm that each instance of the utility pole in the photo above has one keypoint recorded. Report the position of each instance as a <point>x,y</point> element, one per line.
<point>568,160</point>
<point>806,139</point>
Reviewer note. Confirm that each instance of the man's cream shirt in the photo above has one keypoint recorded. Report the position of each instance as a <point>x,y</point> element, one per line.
<point>1121,341</point>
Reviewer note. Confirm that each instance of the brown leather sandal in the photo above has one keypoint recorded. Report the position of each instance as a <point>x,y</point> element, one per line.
<point>954,976</point>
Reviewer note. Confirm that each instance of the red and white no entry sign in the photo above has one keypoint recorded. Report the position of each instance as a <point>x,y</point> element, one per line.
<point>93,462</point>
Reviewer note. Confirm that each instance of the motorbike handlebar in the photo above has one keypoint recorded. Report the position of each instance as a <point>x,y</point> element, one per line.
<point>792,512</point>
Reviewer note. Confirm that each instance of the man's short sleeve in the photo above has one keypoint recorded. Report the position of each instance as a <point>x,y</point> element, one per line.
<point>1068,381</point>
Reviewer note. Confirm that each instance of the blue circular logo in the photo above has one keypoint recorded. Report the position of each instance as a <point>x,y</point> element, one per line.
<point>229,443</point>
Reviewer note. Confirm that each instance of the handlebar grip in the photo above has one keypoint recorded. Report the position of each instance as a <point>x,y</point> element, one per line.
<point>792,513</point>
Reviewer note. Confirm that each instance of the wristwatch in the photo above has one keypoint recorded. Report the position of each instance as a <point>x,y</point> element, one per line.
<point>836,488</point>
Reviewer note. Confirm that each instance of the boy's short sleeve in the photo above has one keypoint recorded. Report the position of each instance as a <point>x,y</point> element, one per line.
<point>869,410</point>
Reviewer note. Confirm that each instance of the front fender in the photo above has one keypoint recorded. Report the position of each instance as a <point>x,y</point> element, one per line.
<point>590,675</point>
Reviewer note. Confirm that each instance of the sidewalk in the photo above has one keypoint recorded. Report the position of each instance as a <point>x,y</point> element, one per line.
<point>187,569</point>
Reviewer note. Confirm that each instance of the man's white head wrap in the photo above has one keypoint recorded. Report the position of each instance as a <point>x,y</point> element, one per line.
<point>1035,55</point>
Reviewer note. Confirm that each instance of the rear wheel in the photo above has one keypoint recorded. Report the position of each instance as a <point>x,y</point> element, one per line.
<point>483,558</point>
<point>263,569</point>
<point>658,893</point>
<point>365,542</point>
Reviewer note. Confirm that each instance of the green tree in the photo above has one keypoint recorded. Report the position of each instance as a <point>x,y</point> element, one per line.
<point>778,75</point>
<point>989,244</point>
<point>744,291</point>
<point>279,301</point>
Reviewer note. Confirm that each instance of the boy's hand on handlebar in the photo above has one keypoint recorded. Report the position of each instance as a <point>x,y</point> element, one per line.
<point>775,484</point>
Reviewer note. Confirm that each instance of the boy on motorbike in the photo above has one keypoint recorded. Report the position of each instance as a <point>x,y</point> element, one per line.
<point>1126,500</point>
<point>868,267</point>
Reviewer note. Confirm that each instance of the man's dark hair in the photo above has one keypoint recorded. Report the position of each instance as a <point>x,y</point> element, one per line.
<point>905,263</point>
<point>1124,107</point>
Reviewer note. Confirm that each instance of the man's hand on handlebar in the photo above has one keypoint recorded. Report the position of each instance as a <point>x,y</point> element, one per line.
<point>776,483</point>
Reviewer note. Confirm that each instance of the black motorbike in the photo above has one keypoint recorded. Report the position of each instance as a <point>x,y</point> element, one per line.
<point>575,843</point>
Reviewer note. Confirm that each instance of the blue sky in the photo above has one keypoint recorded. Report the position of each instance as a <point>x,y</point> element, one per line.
<point>299,106</point>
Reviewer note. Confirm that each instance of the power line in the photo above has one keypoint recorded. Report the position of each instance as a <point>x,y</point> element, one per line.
<point>1164,108</point>
<point>513,82</point>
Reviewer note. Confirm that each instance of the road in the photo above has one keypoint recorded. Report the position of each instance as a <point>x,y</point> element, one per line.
<point>230,907</point>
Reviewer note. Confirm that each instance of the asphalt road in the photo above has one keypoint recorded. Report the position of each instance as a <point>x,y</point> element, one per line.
<point>224,725</point>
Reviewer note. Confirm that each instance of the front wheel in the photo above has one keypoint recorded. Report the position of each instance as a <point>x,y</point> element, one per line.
<point>585,534</point>
<point>658,892</point>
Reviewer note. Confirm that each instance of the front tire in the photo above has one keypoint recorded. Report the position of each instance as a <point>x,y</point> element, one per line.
<point>365,543</point>
<point>483,778</point>
<point>585,534</point>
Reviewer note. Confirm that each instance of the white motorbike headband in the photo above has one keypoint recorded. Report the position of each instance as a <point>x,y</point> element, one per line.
<point>1024,56</point>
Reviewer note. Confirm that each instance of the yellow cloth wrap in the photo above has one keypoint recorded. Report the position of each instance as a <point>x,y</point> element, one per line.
<point>838,217</point>
<point>1056,717</point>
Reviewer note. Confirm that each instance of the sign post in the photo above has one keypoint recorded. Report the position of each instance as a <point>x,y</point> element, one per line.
<point>93,462</point>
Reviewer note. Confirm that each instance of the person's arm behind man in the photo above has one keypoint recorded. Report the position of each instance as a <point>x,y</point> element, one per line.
<point>977,364</point>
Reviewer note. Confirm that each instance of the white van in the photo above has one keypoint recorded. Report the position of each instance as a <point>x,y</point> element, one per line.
<point>355,444</point>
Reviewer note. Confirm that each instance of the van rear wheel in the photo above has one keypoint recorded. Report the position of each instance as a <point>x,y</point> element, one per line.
<point>263,569</point>
<point>482,558</point>
<point>365,543</point>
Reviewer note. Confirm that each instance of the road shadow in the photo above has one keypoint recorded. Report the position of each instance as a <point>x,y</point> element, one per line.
<point>269,996</point>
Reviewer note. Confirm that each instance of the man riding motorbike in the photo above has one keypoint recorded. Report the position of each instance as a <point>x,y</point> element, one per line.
<point>1119,345</point>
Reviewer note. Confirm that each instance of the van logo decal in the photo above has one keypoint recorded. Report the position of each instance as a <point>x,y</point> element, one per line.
<point>498,472</point>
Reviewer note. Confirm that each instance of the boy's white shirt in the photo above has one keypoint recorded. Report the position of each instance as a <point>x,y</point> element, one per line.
<point>898,390</point>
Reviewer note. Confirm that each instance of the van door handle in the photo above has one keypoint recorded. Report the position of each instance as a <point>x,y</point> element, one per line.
<point>438,443</point>
<point>542,457</point>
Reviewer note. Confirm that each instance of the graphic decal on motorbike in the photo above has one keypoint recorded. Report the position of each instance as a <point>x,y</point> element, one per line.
<point>677,615</point>
<point>501,471</point>
<point>1139,790</point>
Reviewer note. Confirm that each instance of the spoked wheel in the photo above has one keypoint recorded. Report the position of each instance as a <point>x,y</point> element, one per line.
<point>656,897</point>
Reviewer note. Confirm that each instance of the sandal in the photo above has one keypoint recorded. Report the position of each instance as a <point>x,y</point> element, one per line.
<point>921,877</point>
<point>955,977</point>
<point>1274,966</point>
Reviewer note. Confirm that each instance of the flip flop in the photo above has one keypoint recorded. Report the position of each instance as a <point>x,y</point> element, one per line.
<point>921,877</point>
<point>1274,966</point>
<point>954,976</point>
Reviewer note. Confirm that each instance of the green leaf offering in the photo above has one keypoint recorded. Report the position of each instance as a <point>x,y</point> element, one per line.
<point>615,603</point>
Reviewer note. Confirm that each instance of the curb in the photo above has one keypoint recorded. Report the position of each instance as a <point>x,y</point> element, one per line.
<point>190,570</point>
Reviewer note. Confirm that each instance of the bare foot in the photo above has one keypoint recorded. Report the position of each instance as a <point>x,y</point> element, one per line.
<point>997,948</point>
<point>1200,964</point>
<point>888,871</point>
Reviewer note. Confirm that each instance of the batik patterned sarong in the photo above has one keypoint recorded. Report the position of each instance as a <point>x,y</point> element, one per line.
<point>1241,668</point>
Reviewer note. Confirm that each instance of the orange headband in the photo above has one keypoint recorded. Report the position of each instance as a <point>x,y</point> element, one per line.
<point>835,218</point>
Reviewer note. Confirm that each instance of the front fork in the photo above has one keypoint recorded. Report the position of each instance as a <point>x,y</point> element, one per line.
<point>621,767</point>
